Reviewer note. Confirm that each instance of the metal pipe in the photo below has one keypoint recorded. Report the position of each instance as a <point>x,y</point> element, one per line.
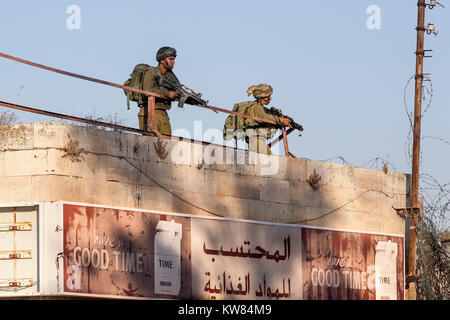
<point>147,93</point>
<point>151,115</point>
<point>278,139</point>
<point>286,148</point>
<point>99,123</point>
<point>73,118</point>
<point>70,74</point>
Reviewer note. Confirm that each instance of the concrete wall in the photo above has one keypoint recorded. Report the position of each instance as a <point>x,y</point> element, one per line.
<point>55,161</point>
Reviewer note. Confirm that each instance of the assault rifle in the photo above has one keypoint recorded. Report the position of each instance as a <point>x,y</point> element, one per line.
<point>184,94</point>
<point>279,113</point>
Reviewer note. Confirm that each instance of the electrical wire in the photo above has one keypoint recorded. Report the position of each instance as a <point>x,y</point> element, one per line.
<point>169,191</point>
<point>213,213</point>
<point>332,211</point>
<point>219,215</point>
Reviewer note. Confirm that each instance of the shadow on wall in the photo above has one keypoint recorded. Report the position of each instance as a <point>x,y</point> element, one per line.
<point>119,253</point>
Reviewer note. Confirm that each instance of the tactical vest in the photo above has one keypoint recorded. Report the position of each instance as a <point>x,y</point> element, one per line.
<point>235,126</point>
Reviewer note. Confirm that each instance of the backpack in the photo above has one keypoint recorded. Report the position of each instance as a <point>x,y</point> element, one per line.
<point>234,125</point>
<point>136,81</point>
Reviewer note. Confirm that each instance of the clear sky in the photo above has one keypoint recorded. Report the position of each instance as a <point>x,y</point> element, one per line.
<point>342,80</point>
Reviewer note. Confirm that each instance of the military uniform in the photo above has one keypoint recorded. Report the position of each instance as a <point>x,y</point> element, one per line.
<point>152,79</point>
<point>258,132</point>
<point>152,82</point>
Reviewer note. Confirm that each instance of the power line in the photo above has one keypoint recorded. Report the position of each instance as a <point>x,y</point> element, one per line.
<point>221,215</point>
<point>167,190</point>
<point>332,211</point>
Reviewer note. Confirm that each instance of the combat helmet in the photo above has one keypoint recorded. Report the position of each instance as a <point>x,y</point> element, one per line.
<point>165,52</point>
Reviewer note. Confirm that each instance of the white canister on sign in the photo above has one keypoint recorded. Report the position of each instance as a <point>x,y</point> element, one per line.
<point>386,270</point>
<point>168,258</point>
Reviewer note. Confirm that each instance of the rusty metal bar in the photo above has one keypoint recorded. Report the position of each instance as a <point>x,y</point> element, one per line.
<point>70,74</point>
<point>73,118</point>
<point>151,115</point>
<point>15,226</point>
<point>15,283</point>
<point>151,112</point>
<point>147,93</point>
<point>15,254</point>
<point>99,123</point>
<point>278,139</point>
<point>151,101</point>
<point>286,147</point>
<point>110,125</point>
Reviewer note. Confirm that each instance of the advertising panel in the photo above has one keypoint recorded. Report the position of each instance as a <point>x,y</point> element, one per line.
<point>126,253</point>
<point>135,254</point>
<point>351,265</point>
<point>241,260</point>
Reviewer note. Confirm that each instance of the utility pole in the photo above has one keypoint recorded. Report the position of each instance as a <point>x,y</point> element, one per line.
<point>411,278</point>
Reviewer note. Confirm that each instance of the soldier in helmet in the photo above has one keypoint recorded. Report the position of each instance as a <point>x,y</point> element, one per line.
<point>152,79</point>
<point>258,132</point>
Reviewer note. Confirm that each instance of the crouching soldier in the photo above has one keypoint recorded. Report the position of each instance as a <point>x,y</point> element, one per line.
<point>257,132</point>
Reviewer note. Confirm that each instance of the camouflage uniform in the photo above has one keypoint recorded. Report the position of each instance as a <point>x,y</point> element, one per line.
<point>151,83</point>
<point>258,132</point>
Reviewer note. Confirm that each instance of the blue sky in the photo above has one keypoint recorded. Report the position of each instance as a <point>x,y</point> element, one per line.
<point>332,74</point>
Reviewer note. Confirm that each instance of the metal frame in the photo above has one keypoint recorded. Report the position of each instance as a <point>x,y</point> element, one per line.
<point>34,289</point>
<point>150,105</point>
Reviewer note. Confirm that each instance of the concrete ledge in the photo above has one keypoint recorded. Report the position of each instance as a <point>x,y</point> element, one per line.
<point>17,136</point>
<point>129,170</point>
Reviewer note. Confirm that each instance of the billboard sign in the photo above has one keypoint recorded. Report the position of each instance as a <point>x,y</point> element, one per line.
<point>351,265</point>
<point>144,254</point>
<point>238,260</point>
<point>125,253</point>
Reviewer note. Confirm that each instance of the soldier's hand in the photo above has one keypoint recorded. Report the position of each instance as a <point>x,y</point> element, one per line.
<point>286,122</point>
<point>172,95</point>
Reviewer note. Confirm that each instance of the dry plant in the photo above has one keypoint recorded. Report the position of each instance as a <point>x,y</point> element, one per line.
<point>313,180</point>
<point>160,148</point>
<point>8,117</point>
<point>73,151</point>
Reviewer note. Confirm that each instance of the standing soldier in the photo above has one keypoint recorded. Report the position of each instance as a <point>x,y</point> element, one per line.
<point>258,132</point>
<point>152,82</point>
